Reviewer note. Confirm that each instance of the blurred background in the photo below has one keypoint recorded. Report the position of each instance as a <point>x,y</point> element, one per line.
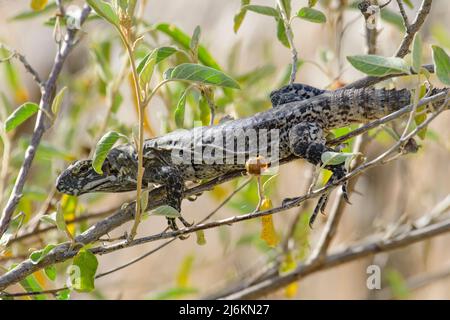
<point>399,191</point>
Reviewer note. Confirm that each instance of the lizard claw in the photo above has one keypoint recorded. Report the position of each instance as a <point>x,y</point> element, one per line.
<point>185,223</point>
<point>320,207</point>
<point>173,226</point>
<point>345,192</point>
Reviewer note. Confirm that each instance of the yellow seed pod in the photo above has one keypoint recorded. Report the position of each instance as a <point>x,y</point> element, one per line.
<point>268,233</point>
<point>255,166</point>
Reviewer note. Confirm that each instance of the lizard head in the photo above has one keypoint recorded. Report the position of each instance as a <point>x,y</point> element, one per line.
<point>118,175</point>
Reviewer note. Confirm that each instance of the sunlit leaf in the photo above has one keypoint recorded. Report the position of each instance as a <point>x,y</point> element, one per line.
<point>86,263</point>
<point>37,256</point>
<point>379,66</point>
<point>335,158</point>
<point>30,284</point>
<point>268,233</point>
<point>21,114</point>
<point>202,74</point>
<point>50,272</point>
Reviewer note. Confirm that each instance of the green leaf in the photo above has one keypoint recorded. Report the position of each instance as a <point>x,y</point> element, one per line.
<point>58,100</point>
<point>312,3</point>
<point>104,10</point>
<point>30,284</point>
<point>38,255</point>
<point>103,146</point>
<point>166,211</point>
<point>312,15</point>
<point>180,109</point>
<point>21,114</point>
<point>281,33</point>
<point>442,63</point>
<point>335,158</point>
<point>239,17</point>
<point>198,73</point>
<point>63,295</point>
<point>159,55</point>
<point>265,10</point>
<point>193,45</point>
<point>147,71</point>
<point>50,272</point>
<point>204,56</point>
<point>417,53</point>
<point>378,66</point>
<point>87,264</point>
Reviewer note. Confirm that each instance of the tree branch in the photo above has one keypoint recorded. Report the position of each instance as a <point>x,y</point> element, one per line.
<point>342,256</point>
<point>42,124</point>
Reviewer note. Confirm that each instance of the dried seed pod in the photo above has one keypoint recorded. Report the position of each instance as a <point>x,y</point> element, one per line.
<point>255,166</point>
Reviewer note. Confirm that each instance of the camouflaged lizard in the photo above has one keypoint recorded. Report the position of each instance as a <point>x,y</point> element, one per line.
<point>301,115</point>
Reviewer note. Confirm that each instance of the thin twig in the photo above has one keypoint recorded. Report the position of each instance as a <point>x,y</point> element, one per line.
<point>423,12</point>
<point>25,63</point>
<point>403,13</point>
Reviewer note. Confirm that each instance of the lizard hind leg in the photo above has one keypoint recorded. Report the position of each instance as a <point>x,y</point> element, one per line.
<point>307,141</point>
<point>173,182</point>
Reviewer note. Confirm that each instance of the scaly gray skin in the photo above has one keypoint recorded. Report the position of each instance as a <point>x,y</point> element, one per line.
<point>302,114</point>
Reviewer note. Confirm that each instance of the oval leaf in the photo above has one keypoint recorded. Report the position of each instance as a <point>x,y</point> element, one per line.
<point>442,63</point>
<point>312,15</point>
<point>198,73</point>
<point>103,146</point>
<point>21,114</point>
<point>265,10</point>
<point>378,66</point>
<point>159,54</point>
<point>166,211</point>
<point>58,100</point>
<point>417,53</point>
<point>335,158</point>
<point>104,10</point>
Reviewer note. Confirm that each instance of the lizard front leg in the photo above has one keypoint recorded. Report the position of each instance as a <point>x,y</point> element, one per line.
<point>307,141</point>
<point>173,182</point>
